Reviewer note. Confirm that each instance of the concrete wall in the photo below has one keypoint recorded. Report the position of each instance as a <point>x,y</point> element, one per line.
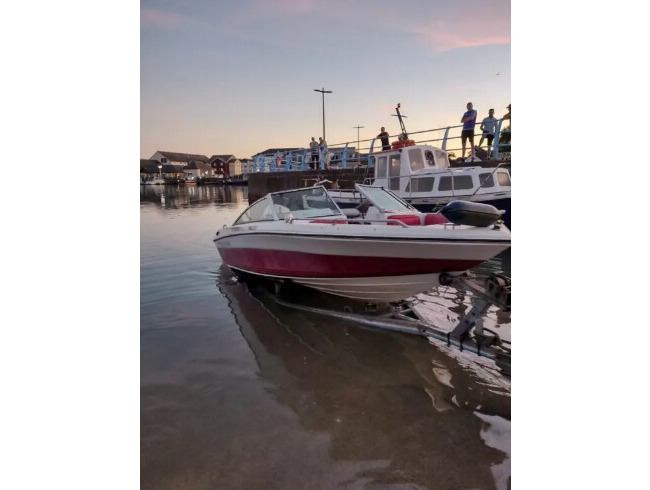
<point>261,183</point>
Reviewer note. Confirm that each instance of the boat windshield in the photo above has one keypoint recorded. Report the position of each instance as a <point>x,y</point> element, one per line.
<point>309,202</point>
<point>383,199</point>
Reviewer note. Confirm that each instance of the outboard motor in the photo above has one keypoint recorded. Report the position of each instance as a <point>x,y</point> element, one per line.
<point>471,213</point>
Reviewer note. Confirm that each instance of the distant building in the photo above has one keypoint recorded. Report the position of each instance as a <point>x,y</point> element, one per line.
<point>178,158</point>
<point>149,169</point>
<point>246,166</point>
<point>226,165</point>
<point>198,169</point>
<point>271,152</point>
<point>335,153</point>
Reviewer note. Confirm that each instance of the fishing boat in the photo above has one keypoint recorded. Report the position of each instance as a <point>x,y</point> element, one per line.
<point>382,251</point>
<point>421,175</point>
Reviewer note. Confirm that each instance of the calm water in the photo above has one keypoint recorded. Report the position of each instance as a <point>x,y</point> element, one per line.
<point>237,392</point>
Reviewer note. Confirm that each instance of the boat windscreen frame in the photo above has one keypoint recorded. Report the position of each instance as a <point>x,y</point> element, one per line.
<point>379,205</point>
<point>304,203</point>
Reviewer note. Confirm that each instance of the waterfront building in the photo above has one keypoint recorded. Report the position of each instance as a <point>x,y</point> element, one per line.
<point>175,158</point>
<point>226,165</point>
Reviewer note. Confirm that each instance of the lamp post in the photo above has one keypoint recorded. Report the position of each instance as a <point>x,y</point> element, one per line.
<point>323,92</point>
<point>358,149</point>
<point>160,170</point>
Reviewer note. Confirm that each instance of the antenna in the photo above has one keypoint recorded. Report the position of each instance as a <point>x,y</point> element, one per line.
<point>400,116</point>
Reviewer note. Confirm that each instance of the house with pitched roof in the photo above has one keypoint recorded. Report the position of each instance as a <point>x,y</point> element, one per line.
<point>226,165</point>
<point>149,170</point>
<point>198,169</point>
<point>178,158</point>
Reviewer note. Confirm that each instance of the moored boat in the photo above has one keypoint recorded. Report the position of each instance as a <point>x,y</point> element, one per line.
<point>421,174</point>
<point>385,250</point>
<point>156,181</point>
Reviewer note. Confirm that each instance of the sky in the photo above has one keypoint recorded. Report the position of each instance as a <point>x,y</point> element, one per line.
<point>225,77</point>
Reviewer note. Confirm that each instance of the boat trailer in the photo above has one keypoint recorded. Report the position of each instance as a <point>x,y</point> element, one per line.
<point>405,316</point>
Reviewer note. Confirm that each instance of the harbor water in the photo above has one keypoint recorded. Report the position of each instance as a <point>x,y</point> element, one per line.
<point>239,392</point>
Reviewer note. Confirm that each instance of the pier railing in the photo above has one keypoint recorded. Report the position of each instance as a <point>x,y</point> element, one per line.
<point>342,155</point>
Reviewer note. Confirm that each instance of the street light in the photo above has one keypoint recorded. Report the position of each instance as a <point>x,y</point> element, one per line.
<point>358,149</point>
<point>160,170</point>
<point>323,92</point>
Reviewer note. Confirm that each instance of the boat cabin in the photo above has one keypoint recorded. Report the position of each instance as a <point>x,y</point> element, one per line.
<point>422,171</point>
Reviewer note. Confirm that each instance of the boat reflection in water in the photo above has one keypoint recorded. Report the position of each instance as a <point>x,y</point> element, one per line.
<point>397,408</point>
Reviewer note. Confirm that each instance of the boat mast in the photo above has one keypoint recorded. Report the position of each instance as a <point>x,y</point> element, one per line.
<point>399,116</point>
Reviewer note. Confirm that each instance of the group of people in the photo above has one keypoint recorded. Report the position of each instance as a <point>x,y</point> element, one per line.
<point>488,127</point>
<point>317,148</point>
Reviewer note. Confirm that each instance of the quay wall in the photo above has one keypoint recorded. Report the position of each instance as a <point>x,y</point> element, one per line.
<point>261,183</point>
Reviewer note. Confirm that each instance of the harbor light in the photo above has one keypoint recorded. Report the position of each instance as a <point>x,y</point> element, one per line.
<point>358,147</point>
<point>323,92</point>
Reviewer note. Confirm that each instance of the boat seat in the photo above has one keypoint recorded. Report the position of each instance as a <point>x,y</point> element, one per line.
<point>434,219</point>
<point>351,212</point>
<point>407,219</point>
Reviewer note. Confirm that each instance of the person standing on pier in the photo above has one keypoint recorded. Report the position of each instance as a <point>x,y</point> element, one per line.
<point>323,148</point>
<point>383,136</point>
<point>489,127</point>
<point>469,121</point>
<point>314,153</point>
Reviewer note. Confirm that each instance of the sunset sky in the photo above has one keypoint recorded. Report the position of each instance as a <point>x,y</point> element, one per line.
<point>223,77</point>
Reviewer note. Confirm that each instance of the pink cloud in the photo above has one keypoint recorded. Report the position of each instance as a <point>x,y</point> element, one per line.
<point>158,18</point>
<point>442,36</point>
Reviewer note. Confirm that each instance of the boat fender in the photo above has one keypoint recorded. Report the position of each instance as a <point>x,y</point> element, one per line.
<point>471,213</point>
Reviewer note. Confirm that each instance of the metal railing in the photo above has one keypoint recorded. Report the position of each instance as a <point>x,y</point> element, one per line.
<point>297,160</point>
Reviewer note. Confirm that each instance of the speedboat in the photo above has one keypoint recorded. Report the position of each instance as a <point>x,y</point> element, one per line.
<point>383,251</point>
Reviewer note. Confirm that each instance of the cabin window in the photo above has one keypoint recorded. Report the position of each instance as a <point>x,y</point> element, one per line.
<point>381,167</point>
<point>428,155</point>
<point>460,182</point>
<point>415,158</point>
<point>394,172</point>
<point>504,179</point>
<point>442,159</point>
<point>421,184</point>
<point>255,212</point>
<point>486,180</point>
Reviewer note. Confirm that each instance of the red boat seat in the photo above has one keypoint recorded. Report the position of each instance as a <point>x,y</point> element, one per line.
<point>407,219</point>
<point>434,219</point>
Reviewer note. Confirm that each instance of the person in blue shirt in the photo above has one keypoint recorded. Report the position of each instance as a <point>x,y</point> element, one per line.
<point>469,121</point>
<point>488,126</point>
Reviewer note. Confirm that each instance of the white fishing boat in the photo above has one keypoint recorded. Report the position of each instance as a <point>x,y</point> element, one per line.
<point>421,175</point>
